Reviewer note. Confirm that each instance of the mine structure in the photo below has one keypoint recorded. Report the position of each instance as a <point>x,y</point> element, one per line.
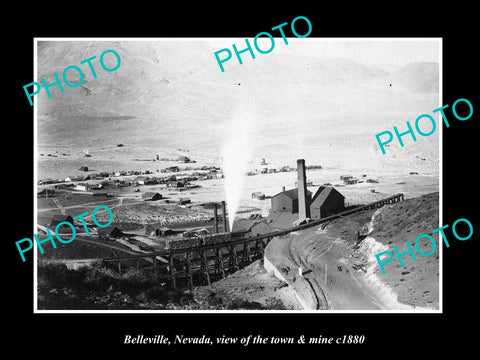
<point>203,256</point>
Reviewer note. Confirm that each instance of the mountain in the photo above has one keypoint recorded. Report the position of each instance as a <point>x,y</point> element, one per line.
<point>418,77</point>
<point>172,94</point>
<point>177,78</point>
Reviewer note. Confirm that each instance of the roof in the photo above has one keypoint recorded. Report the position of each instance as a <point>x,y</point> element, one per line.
<point>181,181</point>
<point>292,193</point>
<point>109,230</point>
<point>150,194</point>
<point>323,193</point>
<point>61,217</point>
<point>46,190</point>
<point>281,220</point>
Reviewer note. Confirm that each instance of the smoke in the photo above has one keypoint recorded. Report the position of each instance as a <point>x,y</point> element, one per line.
<point>237,151</point>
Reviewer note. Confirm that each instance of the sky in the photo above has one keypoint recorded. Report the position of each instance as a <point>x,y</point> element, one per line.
<point>368,51</point>
<point>372,51</point>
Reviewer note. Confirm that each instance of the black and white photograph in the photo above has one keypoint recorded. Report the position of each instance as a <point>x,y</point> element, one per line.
<point>222,180</point>
<point>262,187</point>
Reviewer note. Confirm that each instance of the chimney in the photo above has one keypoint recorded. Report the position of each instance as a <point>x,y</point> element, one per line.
<point>303,211</point>
<point>283,188</point>
<point>215,219</point>
<point>225,222</point>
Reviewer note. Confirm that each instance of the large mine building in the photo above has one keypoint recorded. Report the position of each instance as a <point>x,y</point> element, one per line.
<point>297,204</point>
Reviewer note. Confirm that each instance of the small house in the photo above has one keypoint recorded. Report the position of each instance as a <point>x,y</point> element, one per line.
<point>177,183</point>
<point>140,180</point>
<point>46,193</point>
<point>309,183</point>
<point>258,195</point>
<point>183,159</point>
<point>173,169</point>
<point>99,193</point>
<point>111,231</point>
<point>59,218</point>
<point>159,230</point>
<point>183,201</point>
<point>83,187</point>
<point>151,196</point>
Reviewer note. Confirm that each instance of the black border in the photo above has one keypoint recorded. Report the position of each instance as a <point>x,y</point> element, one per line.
<point>87,334</point>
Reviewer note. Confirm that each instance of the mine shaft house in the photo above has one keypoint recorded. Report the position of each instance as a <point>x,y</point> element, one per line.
<point>326,201</point>
<point>287,201</point>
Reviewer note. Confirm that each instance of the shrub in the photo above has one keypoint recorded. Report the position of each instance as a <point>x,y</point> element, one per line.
<point>274,304</point>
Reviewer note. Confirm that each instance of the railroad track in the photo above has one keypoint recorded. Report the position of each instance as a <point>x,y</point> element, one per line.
<point>200,265</point>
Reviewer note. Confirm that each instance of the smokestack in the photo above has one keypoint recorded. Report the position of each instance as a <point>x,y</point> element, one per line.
<point>302,190</point>
<point>215,219</point>
<point>225,222</point>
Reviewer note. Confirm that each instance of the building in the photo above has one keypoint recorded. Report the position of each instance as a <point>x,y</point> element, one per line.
<point>184,159</point>
<point>275,221</point>
<point>45,182</point>
<point>64,186</point>
<point>83,168</point>
<point>177,183</point>
<point>111,231</point>
<point>99,193</point>
<point>309,183</point>
<point>59,218</point>
<point>140,180</point>
<point>172,169</point>
<point>350,181</point>
<point>45,193</point>
<point>159,230</point>
<point>287,201</point>
<point>258,195</point>
<point>83,187</point>
<point>184,201</point>
<point>326,201</point>
<point>151,196</point>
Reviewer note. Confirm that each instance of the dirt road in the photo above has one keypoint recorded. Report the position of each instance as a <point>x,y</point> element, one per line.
<point>328,281</point>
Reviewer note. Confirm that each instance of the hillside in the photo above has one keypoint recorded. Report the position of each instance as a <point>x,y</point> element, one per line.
<point>170,94</point>
<point>420,77</point>
<point>341,273</point>
<point>416,283</point>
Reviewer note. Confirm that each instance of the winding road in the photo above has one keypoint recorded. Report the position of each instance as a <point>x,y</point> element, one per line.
<point>328,282</point>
